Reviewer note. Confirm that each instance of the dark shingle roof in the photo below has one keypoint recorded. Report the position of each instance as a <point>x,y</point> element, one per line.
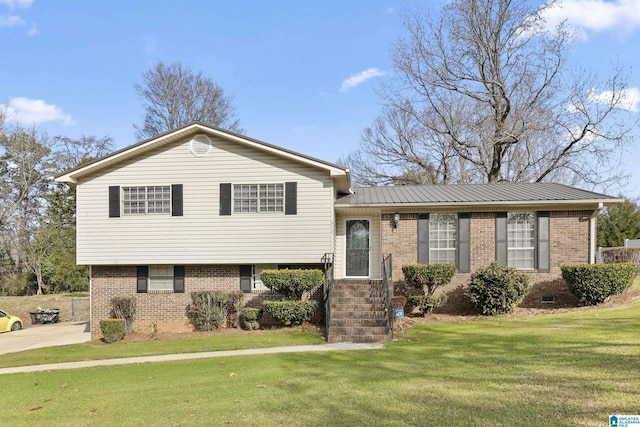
<point>526,193</point>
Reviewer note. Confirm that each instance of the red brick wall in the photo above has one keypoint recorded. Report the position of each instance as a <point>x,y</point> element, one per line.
<point>569,245</point>
<point>168,310</point>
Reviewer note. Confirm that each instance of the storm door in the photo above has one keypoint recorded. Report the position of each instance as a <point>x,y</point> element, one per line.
<point>357,248</point>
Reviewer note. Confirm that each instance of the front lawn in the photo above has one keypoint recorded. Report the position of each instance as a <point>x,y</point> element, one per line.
<point>571,369</point>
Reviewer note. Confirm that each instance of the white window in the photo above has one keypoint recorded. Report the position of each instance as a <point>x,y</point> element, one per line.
<point>160,278</point>
<point>253,198</point>
<point>443,236</point>
<point>147,200</point>
<point>256,284</point>
<point>521,240</point>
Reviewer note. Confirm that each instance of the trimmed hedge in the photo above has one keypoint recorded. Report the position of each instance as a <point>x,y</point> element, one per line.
<point>594,283</point>
<point>291,312</point>
<point>292,283</point>
<point>250,318</point>
<point>497,289</point>
<point>426,303</point>
<point>113,329</point>
<point>428,276</point>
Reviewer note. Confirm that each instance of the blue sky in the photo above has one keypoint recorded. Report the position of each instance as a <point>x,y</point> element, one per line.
<point>302,74</point>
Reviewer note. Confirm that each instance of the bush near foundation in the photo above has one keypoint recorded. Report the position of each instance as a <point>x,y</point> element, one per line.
<point>113,329</point>
<point>292,283</point>
<point>426,303</point>
<point>497,289</point>
<point>208,310</point>
<point>291,312</point>
<point>428,276</point>
<point>250,318</point>
<point>124,308</point>
<point>594,283</point>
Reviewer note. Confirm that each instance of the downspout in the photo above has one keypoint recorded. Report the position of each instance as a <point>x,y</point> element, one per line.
<point>90,298</point>
<point>593,234</point>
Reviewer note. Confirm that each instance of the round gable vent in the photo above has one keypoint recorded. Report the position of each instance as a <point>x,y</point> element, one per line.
<point>200,145</point>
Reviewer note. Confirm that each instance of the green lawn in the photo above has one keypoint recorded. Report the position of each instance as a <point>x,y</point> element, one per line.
<point>89,351</point>
<point>571,369</point>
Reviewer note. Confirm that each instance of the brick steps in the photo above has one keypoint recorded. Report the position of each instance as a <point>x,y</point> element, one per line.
<point>358,312</point>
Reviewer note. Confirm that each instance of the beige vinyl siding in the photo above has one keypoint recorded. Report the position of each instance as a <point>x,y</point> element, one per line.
<point>201,235</point>
<point>375,257</point>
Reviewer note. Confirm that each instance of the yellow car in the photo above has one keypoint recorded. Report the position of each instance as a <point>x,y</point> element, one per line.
<point>9,322</point>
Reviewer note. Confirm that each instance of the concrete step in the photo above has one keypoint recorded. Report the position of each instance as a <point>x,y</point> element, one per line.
<point>366,338</point>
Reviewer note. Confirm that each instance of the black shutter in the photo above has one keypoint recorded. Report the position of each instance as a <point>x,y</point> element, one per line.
<point>225,198</point>
<point>114,201</point>
<point>245,278</point>
<point>143,275</point>
<point>290,198</point>
<point>464,242</point>
<point>544,261</point>
<point>501,238</point>
<point>178,279</point>
<point>176,200</point>
<point>423,238</point>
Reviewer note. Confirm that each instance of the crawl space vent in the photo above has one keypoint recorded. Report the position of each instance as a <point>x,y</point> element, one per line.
<point>200,145</point>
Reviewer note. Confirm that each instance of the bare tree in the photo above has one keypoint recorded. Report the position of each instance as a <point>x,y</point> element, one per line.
<point>486,94</point>
<point>173,95</point>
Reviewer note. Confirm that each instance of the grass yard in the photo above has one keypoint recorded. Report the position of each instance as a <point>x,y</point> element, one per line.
<point>571,369</point>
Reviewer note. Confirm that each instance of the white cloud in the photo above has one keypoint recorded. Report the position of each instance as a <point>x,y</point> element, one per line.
<point>31,111</point>
<point>360,78</point>
<point>17,4</point>
<point>595,15</point>
<point>629,99</point>
<point>11,21</point>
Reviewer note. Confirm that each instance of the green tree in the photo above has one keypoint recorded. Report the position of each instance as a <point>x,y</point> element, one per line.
<point>617,223</point>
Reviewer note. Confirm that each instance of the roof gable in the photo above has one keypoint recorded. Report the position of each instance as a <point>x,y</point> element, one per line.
<point>339,173</point>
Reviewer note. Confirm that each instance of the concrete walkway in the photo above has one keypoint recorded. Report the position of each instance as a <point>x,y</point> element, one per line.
<point>190,356</point>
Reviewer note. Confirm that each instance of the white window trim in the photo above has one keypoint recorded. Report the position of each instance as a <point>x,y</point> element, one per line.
<point>145,200</point>
<point>166,287</point>
<point>455,240</point>
<point>258,199</point>
<point>533,249</point>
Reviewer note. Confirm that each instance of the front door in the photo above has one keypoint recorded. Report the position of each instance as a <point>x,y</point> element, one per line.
<point>357,248</point>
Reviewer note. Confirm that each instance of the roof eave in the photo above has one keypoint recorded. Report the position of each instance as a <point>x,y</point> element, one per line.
<point>596,202</point>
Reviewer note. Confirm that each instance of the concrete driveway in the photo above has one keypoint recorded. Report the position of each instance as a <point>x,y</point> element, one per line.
<point>50,335</point>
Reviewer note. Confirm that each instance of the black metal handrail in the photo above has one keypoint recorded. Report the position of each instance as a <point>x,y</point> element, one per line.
<point>387,268</point>
<point>327,261</point>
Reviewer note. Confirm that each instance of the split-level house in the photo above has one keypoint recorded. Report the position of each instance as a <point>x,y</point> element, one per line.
<point>200,208</point>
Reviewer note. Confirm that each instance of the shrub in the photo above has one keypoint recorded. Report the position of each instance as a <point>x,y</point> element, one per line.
<point>250,318</point>
<point>292,283</point>
<point>497,289</point>
<point>208,310</point>
<point>426,303</point>
<point>291,312</point>
<point>428,276</point>
<point>233,301</point>
<point>113,329</point>
<point>594,283</point>
<point>124,308</point>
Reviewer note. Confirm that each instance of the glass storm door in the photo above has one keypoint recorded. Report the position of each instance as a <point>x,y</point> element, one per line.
<point>357,248</point>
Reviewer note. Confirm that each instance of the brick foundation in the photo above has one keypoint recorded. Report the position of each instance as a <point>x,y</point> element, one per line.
<point>168,310</point>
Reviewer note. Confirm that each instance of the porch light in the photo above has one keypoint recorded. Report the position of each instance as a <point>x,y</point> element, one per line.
<point>396,220</point>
